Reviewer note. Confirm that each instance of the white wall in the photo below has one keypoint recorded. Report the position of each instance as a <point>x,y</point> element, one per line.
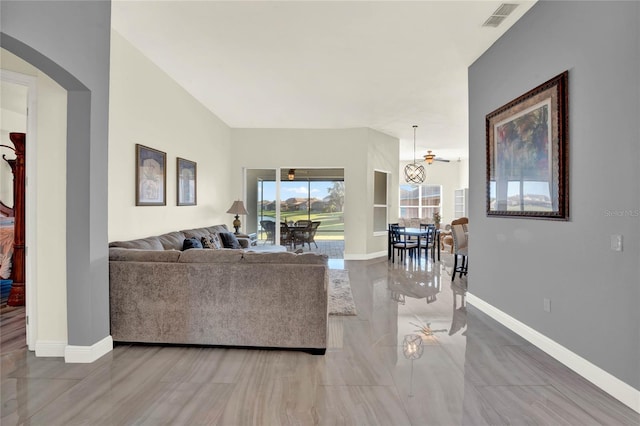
<point>149,108</point>
<point>51,201</point>
<point>358,151</point>
<point>439,173</point>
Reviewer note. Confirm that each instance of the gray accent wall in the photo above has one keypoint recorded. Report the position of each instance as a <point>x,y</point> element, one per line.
<point>70,41</point>
<point>516,263</point>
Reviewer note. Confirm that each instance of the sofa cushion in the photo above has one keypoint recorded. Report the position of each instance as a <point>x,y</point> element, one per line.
<point>149,243</point>
<point>211,256</point>
<point>287,257</point>
<point>136,255</point>
<point>229,240</point>
<point>172,240</point>
<point>196,233</point>
<point>191,243</point>
<point>216,229</point>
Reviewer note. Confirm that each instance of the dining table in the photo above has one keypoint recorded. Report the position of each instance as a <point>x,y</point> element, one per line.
<point>418,233</point>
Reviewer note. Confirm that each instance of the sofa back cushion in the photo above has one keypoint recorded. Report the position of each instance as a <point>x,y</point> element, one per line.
<point>216,229</point>
<point>136,255</point>
<point>149,243</point>
<point>196,233</point>
<point>172,240</point>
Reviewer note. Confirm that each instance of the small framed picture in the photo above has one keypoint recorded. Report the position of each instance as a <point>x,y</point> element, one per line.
<point>151,176</point>
<point>187,182</point>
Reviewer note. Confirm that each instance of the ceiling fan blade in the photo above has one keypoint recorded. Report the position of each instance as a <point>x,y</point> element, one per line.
<point>444,160</point>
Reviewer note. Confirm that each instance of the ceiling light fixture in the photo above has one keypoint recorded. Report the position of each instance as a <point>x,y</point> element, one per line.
<point>414,172</point>
<point>429,157</point>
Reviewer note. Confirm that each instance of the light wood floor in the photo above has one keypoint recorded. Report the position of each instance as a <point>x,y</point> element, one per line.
<point>471,371</point>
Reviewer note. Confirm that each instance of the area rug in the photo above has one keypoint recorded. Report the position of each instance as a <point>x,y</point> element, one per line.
<point>340,296</point>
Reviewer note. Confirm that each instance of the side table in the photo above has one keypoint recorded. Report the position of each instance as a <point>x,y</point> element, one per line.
<point>253,237</point>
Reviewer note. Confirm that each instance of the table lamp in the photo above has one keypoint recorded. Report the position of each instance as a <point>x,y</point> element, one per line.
<point>237,208</point>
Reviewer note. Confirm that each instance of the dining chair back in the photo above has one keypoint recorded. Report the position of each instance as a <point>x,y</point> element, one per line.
<point>427,242</point>
<point>401,244</point>
<point>459,232</point>
<point>269,227</point>
<point>286,235</point>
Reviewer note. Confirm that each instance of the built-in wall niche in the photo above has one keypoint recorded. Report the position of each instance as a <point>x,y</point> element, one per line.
<point>380,201</point>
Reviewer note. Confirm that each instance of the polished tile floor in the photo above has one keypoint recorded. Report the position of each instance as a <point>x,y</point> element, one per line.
<point>467,370</point>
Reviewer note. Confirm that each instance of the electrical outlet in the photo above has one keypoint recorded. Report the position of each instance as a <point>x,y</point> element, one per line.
<point>546,305</point>
<point>616,242</point>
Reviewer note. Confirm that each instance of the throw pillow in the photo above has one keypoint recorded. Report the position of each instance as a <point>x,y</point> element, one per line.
<point>230,241</point>
<point>190,243</point>
<point>206,243</point>
<point>215,241</point>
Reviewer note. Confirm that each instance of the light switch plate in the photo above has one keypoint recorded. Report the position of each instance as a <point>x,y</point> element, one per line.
<point>616,242</point>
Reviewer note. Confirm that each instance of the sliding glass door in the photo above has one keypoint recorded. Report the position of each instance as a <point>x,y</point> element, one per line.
<point>315,195</point>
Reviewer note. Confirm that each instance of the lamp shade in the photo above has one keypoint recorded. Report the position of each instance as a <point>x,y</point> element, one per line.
<point>237,208</point>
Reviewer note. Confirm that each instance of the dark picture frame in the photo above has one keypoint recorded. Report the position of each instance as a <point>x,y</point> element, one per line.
<point>527,154</point>
<point>151,176</point>
<point>187,182</point>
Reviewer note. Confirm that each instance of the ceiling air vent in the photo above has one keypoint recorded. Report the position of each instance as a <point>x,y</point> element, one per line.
<point>499,15</point>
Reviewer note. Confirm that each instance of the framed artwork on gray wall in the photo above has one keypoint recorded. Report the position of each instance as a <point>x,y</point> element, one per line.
<point>527,154</point>
<point>151,176</point>
<point>187,182</point>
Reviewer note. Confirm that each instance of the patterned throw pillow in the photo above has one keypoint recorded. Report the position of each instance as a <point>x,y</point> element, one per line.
<point>215,241</point>
<point>206,243</point>
<point>211,242</point>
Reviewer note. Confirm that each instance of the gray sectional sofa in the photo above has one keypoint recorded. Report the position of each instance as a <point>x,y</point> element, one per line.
<point>226,297</point>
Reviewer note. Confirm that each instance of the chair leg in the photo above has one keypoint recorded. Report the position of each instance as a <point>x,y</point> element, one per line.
<point>455,266</point>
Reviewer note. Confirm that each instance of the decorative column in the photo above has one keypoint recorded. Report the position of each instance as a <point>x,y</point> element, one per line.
<point>16,296</point>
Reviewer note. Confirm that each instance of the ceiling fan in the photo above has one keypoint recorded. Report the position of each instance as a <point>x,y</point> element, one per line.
<point>430,158</point>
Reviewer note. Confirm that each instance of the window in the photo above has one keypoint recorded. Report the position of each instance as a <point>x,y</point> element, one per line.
<point>420,201</point>
<point>380,180</point>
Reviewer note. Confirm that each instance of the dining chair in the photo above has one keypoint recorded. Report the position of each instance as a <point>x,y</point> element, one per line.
<point>428,242</point>
<point>460,246</point>
<point>401,244</point>
<point>390,239</point>
<point>286,235</point>
<point>310,235</point>
<point>270,228</point>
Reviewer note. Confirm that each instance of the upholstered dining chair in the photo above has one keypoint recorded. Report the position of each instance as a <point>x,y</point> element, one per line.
<point>401,244</point>
<point>460,236</point>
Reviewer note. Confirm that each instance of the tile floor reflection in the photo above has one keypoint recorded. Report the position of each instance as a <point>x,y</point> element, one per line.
<point>471,371</point>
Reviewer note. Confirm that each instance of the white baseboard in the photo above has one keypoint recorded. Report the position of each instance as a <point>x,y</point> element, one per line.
<point>615,387</point>
<point>50,348</point>
<point>366,256</point>
<point>88,354</point>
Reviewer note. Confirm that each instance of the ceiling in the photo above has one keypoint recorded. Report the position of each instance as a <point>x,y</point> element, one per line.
<point>386,65</point>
